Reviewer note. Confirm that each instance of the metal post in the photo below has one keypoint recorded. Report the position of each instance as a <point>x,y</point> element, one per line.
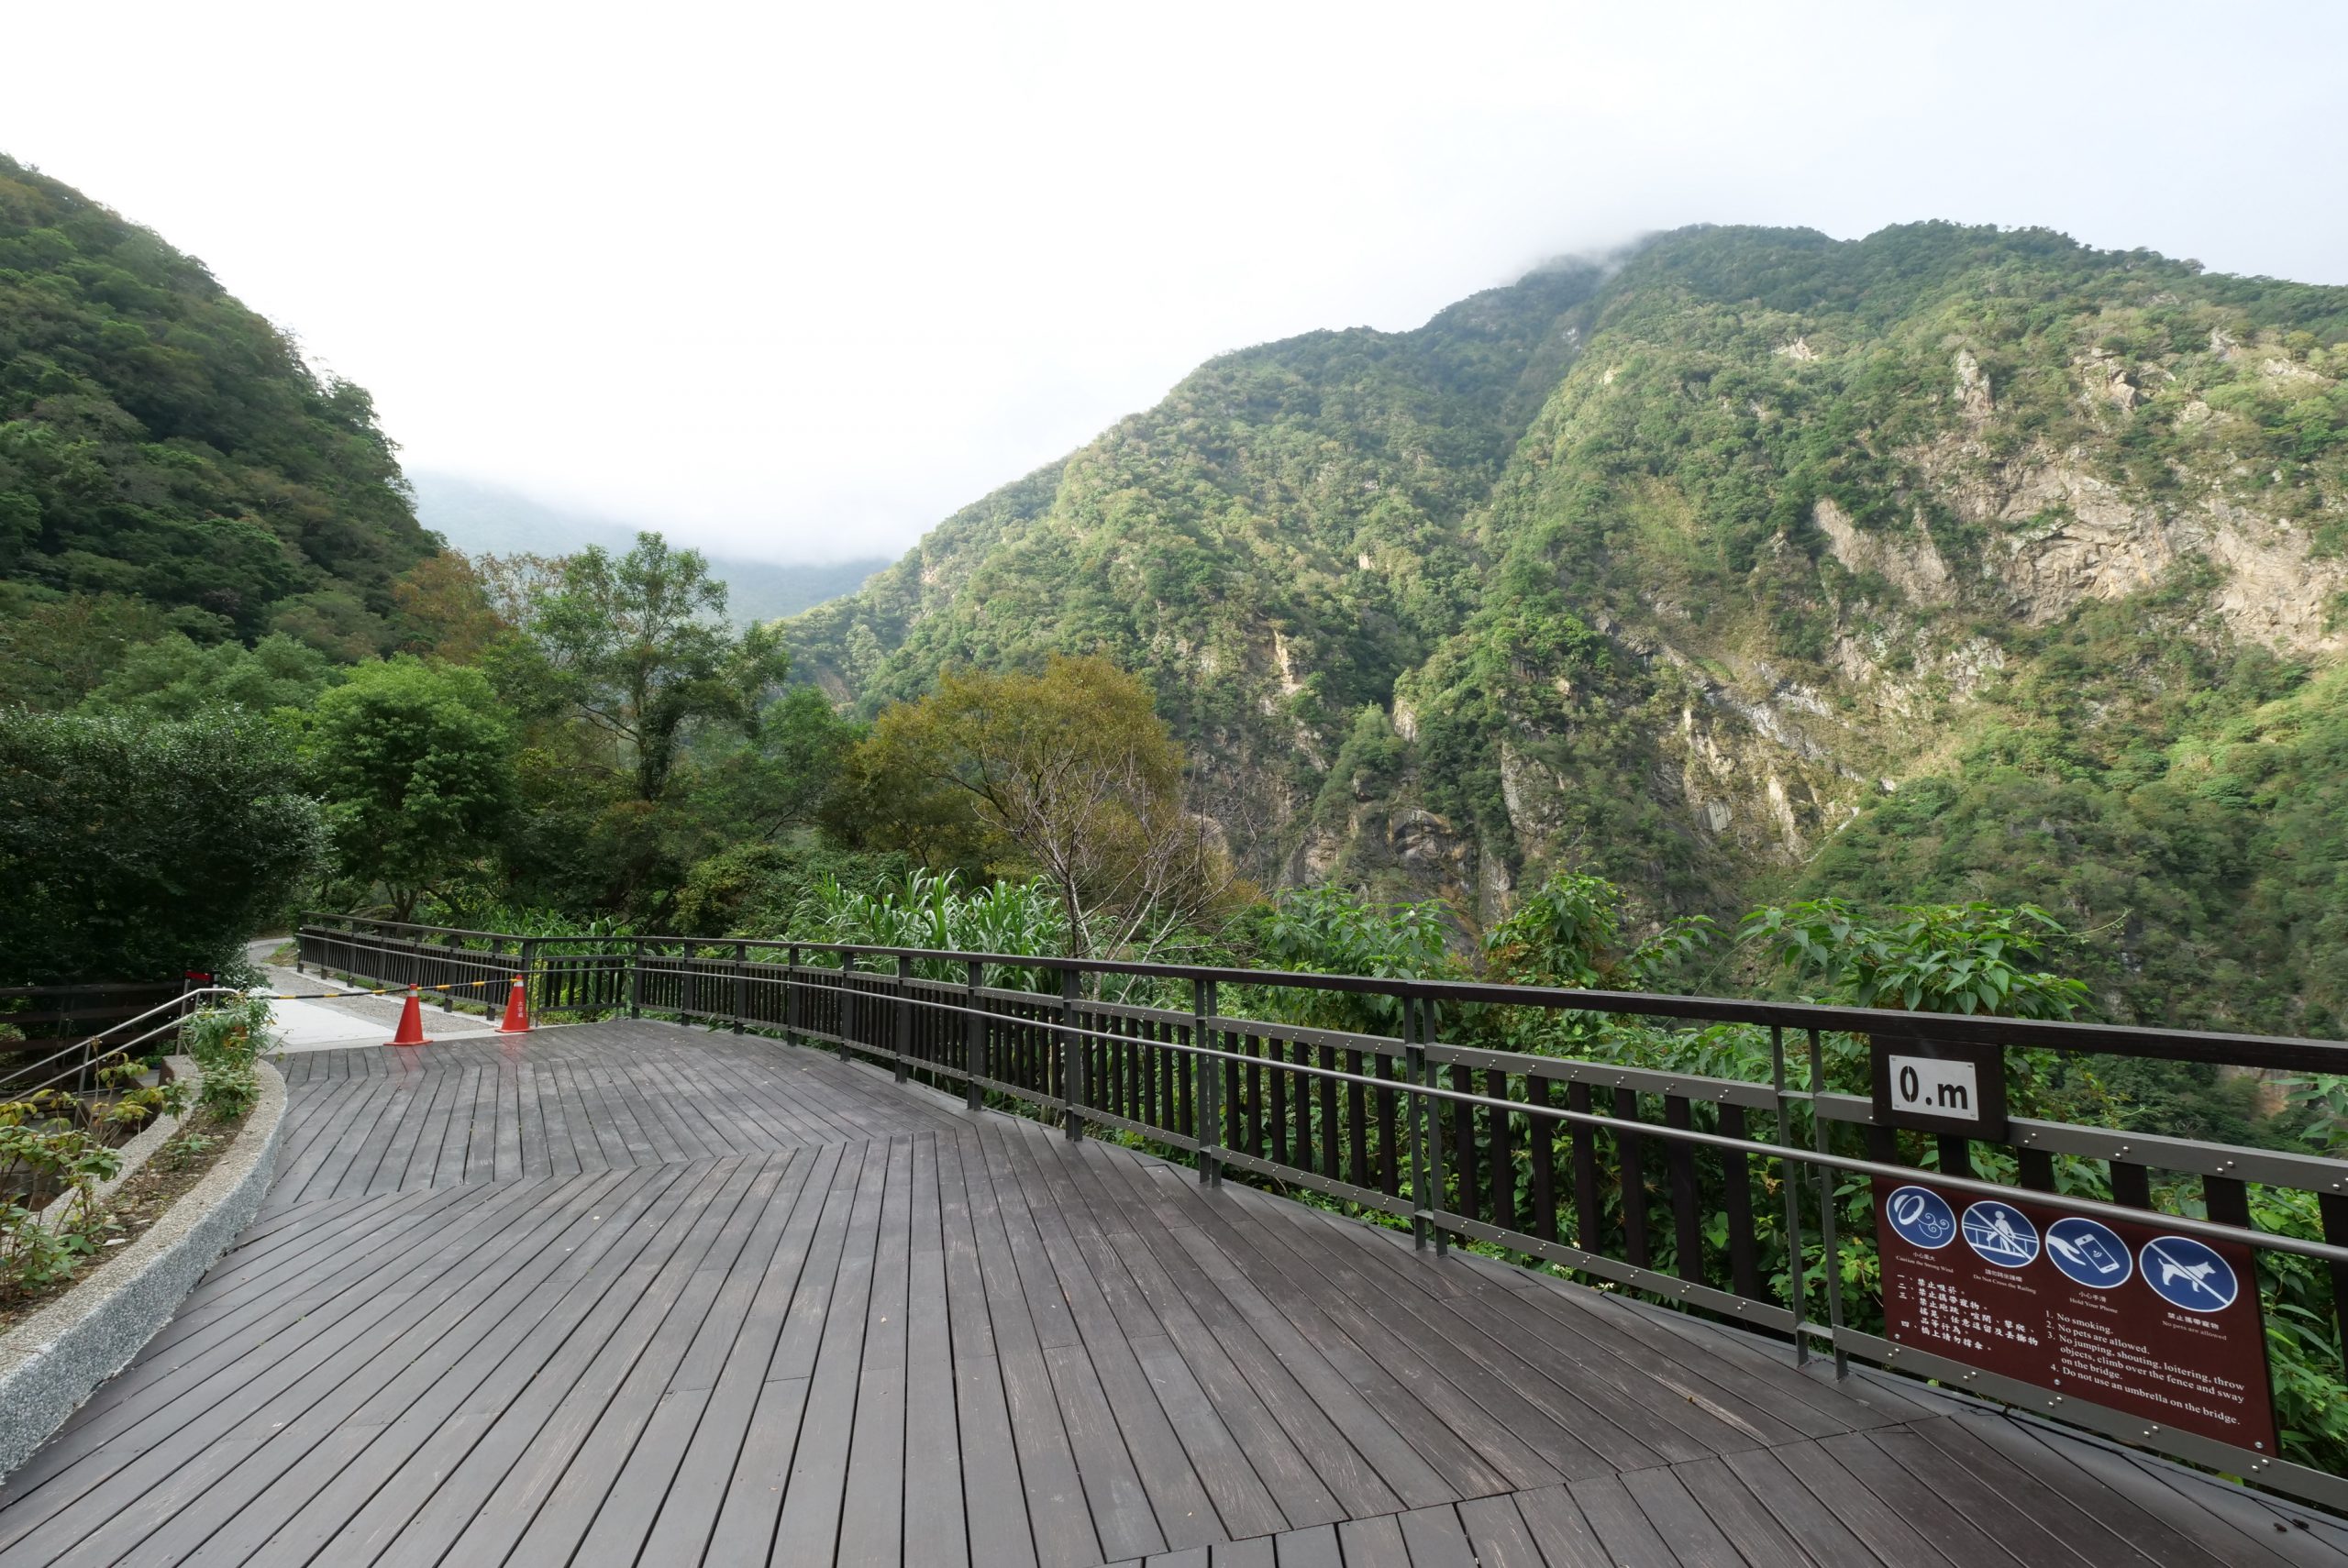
<point>1826,1210</point>
<point>635,977</point>
<point>531,981</point>
<point>1414,1071</point>
<point>974,1048</point>
<point>688,992</point>
<point>1434,1126</point>
<point>791,1003</point>
<point>905,1047</point>
<point>1071,1054</point>
<point>1797,1271</point>
<point>1206,1100</point>
<point>741,983</point>
<point>847,1001</point>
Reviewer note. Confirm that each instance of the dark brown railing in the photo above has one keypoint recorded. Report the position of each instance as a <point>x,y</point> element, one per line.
<point>1613,1171</point>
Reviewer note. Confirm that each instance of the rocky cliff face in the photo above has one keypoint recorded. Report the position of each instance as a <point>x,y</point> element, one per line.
<point>1671,574</point>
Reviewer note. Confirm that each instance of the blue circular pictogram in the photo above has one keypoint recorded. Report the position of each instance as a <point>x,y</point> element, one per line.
<point>2091,1253</point>
<point>2001,1233</point>
<point>1920,1217</point>
<point>2187,1274</point>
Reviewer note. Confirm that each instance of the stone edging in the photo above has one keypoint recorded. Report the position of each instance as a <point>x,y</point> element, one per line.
<point>52,1361</point>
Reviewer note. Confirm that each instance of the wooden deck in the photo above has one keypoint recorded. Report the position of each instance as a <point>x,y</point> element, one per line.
<point>632,1294</point>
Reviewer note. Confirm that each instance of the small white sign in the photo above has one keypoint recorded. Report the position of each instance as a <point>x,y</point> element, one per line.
<point>1926,1085</point>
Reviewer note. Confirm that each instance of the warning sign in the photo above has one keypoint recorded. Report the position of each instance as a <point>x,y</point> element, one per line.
<point>2163,1327</point>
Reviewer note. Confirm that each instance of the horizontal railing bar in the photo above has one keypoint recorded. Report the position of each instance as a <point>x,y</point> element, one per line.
<point>1645,1080</point>
<point>2187,1157</point>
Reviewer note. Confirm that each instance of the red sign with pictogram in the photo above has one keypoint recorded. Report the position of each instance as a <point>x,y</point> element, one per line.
<point>2123,1315</point>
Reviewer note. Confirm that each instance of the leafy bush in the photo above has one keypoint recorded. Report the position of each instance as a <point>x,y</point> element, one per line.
<point>137,850</point>
<point>228,1043</point>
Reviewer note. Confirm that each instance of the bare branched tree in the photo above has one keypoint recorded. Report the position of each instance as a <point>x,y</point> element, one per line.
<point>1073,770</point>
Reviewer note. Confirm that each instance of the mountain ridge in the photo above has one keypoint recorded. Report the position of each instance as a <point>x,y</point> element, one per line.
<point>482,518</point>
<point>1676,569</point>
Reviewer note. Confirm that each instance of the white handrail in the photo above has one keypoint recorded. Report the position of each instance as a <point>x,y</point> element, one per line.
<point>88,1047</point>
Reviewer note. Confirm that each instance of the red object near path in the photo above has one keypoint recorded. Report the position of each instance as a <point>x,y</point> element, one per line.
<point>517,1010</point>
<point>411,1029</point>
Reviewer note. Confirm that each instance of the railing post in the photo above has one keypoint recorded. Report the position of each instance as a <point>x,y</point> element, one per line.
<point>635,977</point>
<point>1206,1097</point>
<point>531,980</point>
<point>904,1046</point>
<point>1834,1263</point>
<point>1797,1269</point>
<point>741,984</point>
<point>1434,1128</point>
<point>790,997</point>
<point>1071,1054</point>
<point>847,1002</point>
<point>974,1047</point>
<point>1423,1229</point>
<point>689,989</point>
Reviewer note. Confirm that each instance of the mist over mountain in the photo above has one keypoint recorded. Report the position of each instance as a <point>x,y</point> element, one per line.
<point>483,519</point>
<point>1950,563</point>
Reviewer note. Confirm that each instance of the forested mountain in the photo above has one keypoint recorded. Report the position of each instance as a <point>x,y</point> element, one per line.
<point>167,459</point>
<point>483,519</point>
<point>1949,563</point>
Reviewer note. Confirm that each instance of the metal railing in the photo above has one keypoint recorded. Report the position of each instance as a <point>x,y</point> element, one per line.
<point>1657,1181</point>
<point>84,1056</point>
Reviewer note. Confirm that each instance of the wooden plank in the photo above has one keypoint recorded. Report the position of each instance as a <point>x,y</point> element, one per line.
<point>1373,1543</point>
<point>1880,1524</point>
<point>1435,1540</point>
<point>1561,1530</point>
<point>1315,1547</point>
<point>1687,1527</point>
<point>934,1528</point>
<point>2063,1469</point>
<point>1499,1534</point>
<point>1628,1538</point>
<point>872,1524</point>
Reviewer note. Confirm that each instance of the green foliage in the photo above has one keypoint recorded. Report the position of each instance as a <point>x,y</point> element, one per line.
<point>638,647</point>
<point>162,445</point>
<point>411,761</point>
<point>1329,930</point>
<point>177,678</point>
<point>760,890</point>
<point>1070,773</point>
<point>937,912</point>
<point>135,850</point>
<point>226,1043</point>
<point>1569,932</point>
<point>1932,958</point>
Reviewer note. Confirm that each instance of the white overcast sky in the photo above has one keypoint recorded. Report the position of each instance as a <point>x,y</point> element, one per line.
<point>796,280</point>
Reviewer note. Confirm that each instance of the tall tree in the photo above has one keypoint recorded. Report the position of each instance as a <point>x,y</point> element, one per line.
<point>638,647</point>
<point>1075,772</point>
<point>411,761</point>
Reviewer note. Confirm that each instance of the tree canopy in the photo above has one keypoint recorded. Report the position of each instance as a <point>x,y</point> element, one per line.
<point>134,849</point>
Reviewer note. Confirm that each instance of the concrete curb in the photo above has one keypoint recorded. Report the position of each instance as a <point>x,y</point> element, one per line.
<point>52,1361</point>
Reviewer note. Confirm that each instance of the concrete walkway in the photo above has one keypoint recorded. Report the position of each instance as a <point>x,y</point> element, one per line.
<point>339,1023</point>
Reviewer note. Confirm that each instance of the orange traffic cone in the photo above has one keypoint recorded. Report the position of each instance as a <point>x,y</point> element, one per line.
<point>411,1030</point>
<point>517,1010</point>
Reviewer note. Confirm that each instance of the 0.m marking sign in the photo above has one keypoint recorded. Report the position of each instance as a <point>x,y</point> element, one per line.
<point>1940,1085</point>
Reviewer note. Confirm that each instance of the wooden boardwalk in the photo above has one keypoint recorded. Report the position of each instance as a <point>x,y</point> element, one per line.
<point>628,1294</point>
